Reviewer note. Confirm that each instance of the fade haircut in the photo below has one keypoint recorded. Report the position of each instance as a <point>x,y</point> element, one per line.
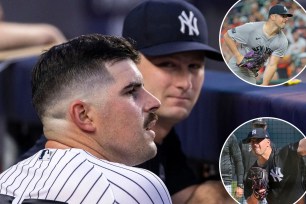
<point>74,64</point>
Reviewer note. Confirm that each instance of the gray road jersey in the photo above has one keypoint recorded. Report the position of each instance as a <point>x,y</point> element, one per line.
<point>251,36</point>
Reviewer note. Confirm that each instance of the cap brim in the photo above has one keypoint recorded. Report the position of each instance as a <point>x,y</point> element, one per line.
<point>288,14</point>
<point>248,139</point>
<point>175,47</point>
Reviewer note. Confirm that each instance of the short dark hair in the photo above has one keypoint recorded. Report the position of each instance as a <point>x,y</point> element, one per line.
<point>74,62</point>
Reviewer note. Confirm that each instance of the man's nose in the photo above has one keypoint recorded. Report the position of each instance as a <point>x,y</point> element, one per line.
<point>184,80</point>
<point>152,102</point>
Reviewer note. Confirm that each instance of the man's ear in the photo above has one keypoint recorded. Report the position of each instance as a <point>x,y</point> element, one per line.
<point>269,142</point>
<point>79,113</point>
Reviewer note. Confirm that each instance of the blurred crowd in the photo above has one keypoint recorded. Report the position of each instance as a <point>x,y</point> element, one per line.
<point>257,10</point>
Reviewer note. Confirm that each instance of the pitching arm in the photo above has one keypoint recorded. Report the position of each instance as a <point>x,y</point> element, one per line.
<point>231,44</point>
<point>270,70</point>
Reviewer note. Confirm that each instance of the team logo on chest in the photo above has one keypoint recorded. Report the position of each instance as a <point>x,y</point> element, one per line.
<point>189,21</point>
<point>276,174</point>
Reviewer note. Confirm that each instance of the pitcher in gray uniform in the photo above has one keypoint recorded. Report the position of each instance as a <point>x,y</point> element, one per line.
<point>266,35</point>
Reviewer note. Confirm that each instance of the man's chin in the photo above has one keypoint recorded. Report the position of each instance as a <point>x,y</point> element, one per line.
<point>176,118</point>
<point>152,151</point>
<point>175,114</point>
<point>149,153</point>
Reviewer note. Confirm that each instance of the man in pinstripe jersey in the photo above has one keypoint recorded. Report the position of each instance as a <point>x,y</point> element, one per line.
<point>98,120</point>
<point>173,46</point>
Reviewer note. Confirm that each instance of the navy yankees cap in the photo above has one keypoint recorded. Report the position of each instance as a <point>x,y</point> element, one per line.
<point>279,9</point>
<point>162,27</point>
<point>257,133</point>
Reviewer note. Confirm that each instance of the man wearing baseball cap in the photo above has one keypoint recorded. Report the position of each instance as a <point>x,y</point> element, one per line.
<point>282,165</point>
<point>248,157</point>
<point>265,38</point>
<point>172,37</point>
<point>256,135</point>
<point>166,27</point>
<point>280,10</point>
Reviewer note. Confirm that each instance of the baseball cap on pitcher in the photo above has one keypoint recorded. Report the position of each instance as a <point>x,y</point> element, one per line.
<point>279,9</point>
<point>162,27</point>
<point>257,133</point>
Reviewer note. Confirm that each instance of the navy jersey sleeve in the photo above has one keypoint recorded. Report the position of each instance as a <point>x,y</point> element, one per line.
<point>285,176</point>
<point>289,152</point>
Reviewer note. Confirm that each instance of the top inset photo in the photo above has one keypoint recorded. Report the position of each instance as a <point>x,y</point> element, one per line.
<point>264,42</point>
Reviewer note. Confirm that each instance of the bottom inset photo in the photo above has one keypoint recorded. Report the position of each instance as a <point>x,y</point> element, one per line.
<point>263,161</point>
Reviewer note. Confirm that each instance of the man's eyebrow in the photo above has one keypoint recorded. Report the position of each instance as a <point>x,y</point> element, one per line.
<point>134,84</point>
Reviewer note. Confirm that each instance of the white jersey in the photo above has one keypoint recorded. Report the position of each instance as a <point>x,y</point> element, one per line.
<point>75,176</point>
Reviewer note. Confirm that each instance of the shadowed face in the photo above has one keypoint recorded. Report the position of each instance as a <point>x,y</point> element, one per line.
<point>259,146</point>
<point>176,80</point>
<point>280,20</point>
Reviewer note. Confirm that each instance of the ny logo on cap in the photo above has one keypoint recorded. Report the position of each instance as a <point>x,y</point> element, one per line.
<point>254,132</point>
<point>190,22</point>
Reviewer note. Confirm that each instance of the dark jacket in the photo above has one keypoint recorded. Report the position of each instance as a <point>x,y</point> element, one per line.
<point>231,161</point>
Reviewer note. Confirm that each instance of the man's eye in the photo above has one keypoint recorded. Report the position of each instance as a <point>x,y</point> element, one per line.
<point>195,66</point>
<point>131,91</point>
<point>166,64</point>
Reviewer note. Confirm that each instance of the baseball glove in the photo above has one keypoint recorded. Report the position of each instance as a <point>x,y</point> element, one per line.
<point>260,180</point>
<point>253,61</point>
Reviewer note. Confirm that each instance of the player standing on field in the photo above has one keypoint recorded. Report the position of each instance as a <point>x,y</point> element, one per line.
<point>266,36</point>
<point>282,165</point>
<point>248,157</point>
<point>231,164</point>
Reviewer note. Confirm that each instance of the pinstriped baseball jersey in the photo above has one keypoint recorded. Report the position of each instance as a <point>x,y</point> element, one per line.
<point>75,176</point>
<point>251,36</point>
